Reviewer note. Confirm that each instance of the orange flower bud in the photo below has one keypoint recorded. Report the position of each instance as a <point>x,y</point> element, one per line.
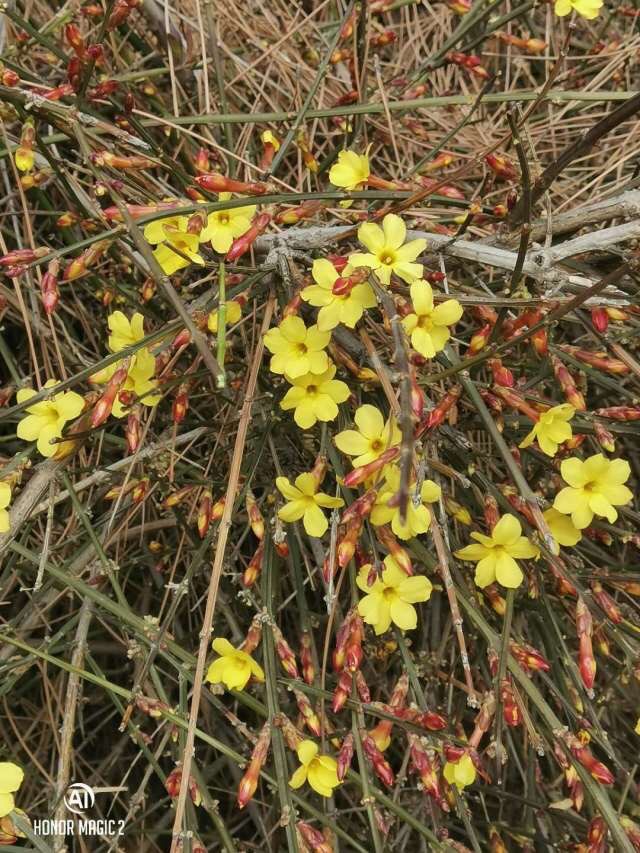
<point>362,687</point>
<point>353,653</point>
<point>510,709</point>
<point>617,315</point>
<point>306,658</point>
<point>49,287</point>
<point>381,766</point>
<point>620,413</point>
<point>173,782</point>
<point>254,567</point>
<point>502,167</point>
<point>177,497</point>
<point>140,490</point>
<point>598,359</point>
<point>113,161</point>
<point>535,46</point>
<point>359,475</point>
<point>313,839</point>
<point>291,734</point>
<point>201,161</point>
<point>437,415</point>
<point>103,407</point>
<point>311,719</point>
<point>204,513</point>
<point>293,215</point>
<point>427,765</point>
<point>9,78</point>
<point>255,516</point>
<point>78,266</point>
<point>342,691</point>
<point>345,756</point>
<point>249,782</point>
<point>501,374</point>
<point>491,512</point>
<point>385,537</point>
<point>600,319</point>
<point>119,13</point>
<point>242,244</point>
<point>596,768</point>
<point>496,599</point>
<point>133,432</point>
<point>529,658</point>
<point>285,653</point>
<point>220,184</point>
<point>217,509</point>
<point>23,256</point>
<point>568,385</point>
<point>180,404</point>
<point>479,340</point>
<point>604,437</point>
<point>496,844</point>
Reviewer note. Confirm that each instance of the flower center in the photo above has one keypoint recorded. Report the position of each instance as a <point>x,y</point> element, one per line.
<point>312,390</point>
<point>376,444</point>
<point>223,219</point>
<point>387,257</point>
<point>425,322</point>
<point>302,349</point>
<point>389,594</point>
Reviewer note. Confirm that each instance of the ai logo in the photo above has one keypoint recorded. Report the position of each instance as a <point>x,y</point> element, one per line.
<point>79,797</point>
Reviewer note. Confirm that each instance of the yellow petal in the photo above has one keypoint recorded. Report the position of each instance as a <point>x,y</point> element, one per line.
<point>507,530</point>
<point>315,522</point>
<point>11,777</point>
<point>6,804</point>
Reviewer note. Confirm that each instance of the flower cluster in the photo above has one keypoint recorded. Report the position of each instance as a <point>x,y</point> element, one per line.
<point>178,238</point>
<point>139,381</point>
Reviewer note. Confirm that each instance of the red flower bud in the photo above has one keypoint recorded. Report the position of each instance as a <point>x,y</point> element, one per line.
<point>242,244</point>
<point>219,184</point>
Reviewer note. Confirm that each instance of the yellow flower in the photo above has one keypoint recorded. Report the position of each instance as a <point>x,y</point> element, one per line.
<point>351,171</point>
<point>24,158</point>
<point>314,397</point>
<point>562,528</point>
<point>186,245</point>
<point>304,503</point>
<point>496,555</point>
<point>139,380</point>
<point>460,773</point>
<point>297,349</point>
<point>5,500</point>
<point>595,488</point>
<point>391,597</point>
<point>233,668</point>
<point>418,517</point>
<point>46,420</point>
<point>552,429</point>
<point>428,326</point>
<point>637,728</point>
<point>155,233</point>
<point>234,313</point>
<point>334,309</point>
<point>124,332</point>
<point>268,138</point>
<point>171,233</point>
<point>11,777</point>
<point>372,437</point>
<point>320,771</point>
<point>588,9</point>
<point>223,226</point>
<point>387,253</point>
